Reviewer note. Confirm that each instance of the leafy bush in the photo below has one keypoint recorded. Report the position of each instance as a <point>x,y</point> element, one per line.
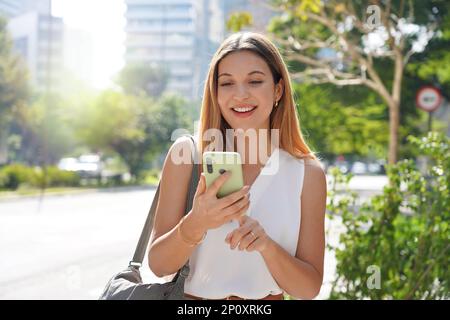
<point>12,176</point>
<point>400,236</point>
<point>55,178</point>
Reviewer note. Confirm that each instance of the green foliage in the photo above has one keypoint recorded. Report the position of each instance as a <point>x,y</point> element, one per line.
<point>45,131</point>
<point>404,231</point>
<point>15,175</point>
<point>143,78</point>
<point>239,20</point>
<point>53,177</point>
<point>13,82</point>
<point>345,121</point>
<point>433,65</point>
<point>13,74</point>
<point>135,127</point>
<point>313,30</point>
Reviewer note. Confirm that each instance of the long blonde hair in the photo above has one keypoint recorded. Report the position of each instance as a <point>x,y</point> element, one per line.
<point>284,117</point>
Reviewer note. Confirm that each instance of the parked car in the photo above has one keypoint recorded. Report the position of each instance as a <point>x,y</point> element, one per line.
<point>359,167</point>
<point>87,166</point>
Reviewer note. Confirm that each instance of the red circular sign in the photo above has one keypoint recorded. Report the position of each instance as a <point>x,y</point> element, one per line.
<point>428,98</point>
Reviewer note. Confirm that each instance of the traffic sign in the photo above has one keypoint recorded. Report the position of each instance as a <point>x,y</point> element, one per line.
<point>428,98</point>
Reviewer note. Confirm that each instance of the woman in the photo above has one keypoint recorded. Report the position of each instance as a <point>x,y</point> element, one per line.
<point>266,252</point>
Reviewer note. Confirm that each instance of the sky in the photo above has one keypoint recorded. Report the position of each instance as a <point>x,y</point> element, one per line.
<point>104,20</point>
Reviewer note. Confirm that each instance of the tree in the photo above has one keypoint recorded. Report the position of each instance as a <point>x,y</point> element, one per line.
<point>13,84</point>
<point>345,42</point>
<point>135,127</point>
<point>354,123</point>
<point>143,78</point>
<point>433,64</point>
<point>239,20</point>
<point>42,126</point>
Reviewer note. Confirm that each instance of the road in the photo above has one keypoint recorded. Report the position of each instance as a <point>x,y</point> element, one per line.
<point>68,247</point>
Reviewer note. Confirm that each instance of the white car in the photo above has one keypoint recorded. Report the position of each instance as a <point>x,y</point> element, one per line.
<point>87,166</point>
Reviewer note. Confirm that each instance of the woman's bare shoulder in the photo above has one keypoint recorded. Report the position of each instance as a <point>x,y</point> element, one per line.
<point>315,177</point>
<point>180,153</point>
<point>312,162</point>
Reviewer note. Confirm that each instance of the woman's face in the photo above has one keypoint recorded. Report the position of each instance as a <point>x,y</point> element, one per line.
<point>246,91</point>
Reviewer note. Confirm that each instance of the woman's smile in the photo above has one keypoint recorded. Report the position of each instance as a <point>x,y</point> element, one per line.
<point>243,111</point>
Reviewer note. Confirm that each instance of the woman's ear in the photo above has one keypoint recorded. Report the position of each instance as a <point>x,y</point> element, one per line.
<point>279,89</point>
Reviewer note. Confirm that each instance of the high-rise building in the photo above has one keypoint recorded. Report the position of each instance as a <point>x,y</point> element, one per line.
<point>40,6</point>
<point>13,8</point>
<point>174,34</point>
<point>183,35</point>
<point>162,32</point>
<point>9,8</point>
<point>38,37</point>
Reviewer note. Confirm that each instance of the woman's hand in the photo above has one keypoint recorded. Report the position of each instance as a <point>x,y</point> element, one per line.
<point>249,236</point>
<point>209,212</point>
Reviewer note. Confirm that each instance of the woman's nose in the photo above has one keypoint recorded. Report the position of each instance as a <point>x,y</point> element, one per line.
<point>241,92</point>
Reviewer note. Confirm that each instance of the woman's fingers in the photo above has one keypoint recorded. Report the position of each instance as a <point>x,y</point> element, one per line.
<point>232,198</point>
<point>201,186</point>
<point>247,239</point>
<point>215,186</point>
<point>237,235</point>
<point>256,245</point>
<point>238,214</point>
<point>236,207</point>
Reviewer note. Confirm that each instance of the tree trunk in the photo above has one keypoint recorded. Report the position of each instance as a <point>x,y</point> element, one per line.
<point>394,108</point>
<point>394,122</point>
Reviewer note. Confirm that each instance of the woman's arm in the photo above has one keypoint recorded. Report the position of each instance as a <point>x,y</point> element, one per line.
<point>301,276</point>
<point>168,252</point>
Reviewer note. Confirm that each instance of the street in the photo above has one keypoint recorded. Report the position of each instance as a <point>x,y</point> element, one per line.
<point>74,244</point>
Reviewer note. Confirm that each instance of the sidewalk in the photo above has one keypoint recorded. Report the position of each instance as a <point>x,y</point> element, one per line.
<point>11,196</point>
<point>333,228</point>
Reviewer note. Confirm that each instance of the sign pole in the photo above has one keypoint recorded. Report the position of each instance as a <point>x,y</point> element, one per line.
<point>430,121</point>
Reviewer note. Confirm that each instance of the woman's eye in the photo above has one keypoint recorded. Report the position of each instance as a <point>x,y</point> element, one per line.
<point>226,84</point>
<point>256,82</point>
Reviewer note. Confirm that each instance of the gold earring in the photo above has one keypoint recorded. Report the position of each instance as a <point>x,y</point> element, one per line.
<point>276,104</point>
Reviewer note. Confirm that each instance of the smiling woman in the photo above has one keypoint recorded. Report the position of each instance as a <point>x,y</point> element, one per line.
<point>241,93</point>
<point>237,248</point>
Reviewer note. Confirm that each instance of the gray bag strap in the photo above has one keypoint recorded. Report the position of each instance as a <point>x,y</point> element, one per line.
<point>141,247</point>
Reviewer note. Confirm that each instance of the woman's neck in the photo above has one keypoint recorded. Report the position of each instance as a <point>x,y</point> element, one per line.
<point>254,146</point>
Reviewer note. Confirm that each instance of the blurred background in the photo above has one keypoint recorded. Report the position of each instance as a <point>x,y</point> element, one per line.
<point>93,93</point>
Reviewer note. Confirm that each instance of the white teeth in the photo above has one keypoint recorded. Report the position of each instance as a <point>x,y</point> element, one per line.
<point>244,109</point>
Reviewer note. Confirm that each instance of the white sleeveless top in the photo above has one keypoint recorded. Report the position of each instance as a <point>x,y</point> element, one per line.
<point>216,271</point>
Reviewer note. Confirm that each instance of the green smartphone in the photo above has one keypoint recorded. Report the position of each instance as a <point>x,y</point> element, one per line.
<point>216,163</point>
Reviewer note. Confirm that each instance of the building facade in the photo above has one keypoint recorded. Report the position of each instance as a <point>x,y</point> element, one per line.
<point>182,35</point>
<point>162,32</point>
<point>38,38</point>
<point>9,8</point>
